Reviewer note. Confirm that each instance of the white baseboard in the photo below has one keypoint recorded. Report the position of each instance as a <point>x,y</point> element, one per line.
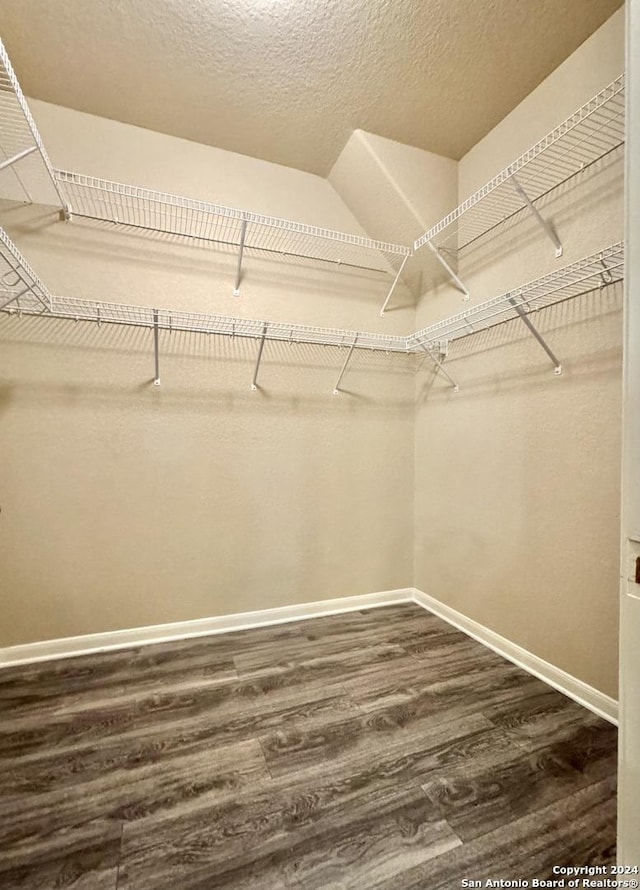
<point>68,647</point>
<point>581,692</point>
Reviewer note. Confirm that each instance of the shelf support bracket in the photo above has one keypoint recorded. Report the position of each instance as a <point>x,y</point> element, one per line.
<point>18,157</point>
<point>557,367</point>
<point>393,286</point>
<point>156,348</point>
<point>548,228</point>
<point>243,233</point>
<point>439,364</point>
<point>605,276</point>
<point>445,265</point>
<point>12,299</point>
<point>336,388</point>
<point>254,382</point>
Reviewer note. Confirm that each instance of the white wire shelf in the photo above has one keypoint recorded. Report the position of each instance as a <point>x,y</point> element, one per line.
<point>20,287</point>
<point>200,323</point>
<point>26,173</point>
<point>22,293</point>
<point>589,274</point>
<point>594,131</point>
<point>158,320</point>
<point>141,208</point>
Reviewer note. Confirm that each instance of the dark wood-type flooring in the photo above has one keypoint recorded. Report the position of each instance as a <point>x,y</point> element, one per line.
<point>375,750</point>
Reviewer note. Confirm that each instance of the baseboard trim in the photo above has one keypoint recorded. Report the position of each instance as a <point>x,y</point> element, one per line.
<point>596,701</point>
<point>69,647</point>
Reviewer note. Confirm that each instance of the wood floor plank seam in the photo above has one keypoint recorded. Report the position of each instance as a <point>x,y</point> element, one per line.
<point>264,756</point>
<point>367,751</point>
<point>549,836</point>
<point>119,858</point>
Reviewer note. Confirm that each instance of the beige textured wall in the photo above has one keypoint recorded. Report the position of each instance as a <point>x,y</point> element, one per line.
<point>397,192</point>
<point>517,475</point>
<point>414,187</point>
<point>125,504</point>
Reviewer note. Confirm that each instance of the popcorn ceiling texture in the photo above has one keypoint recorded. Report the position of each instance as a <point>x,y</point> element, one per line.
<point>289,80</point>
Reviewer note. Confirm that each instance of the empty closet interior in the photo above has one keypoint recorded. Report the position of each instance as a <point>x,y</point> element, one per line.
<point>231,385</point>
<point>289,344</point>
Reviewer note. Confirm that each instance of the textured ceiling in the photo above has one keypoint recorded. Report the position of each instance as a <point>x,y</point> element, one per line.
<point>289,80</point>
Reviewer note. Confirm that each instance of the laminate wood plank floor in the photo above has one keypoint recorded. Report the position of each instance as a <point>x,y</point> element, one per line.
<point>374,750</point>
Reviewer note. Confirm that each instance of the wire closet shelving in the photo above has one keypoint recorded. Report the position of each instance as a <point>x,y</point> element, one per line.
<point>119,204</point>
<point>20,287</point>
<point>23,293</point>
<point>24,162</point>
<point>141,208</point>
<point>591,133</point>
<point>592,273</point>
<point>594,131</point>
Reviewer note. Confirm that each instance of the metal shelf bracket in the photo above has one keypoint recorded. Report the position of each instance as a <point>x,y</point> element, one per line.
<point>547,227</point>
<point>18,157</point>
<point>445,265</point>
<point>156,349</point>
<point>243,233</point>
<point>439,364</point>
<point>557,367</point>
<point>605,276</point>
<point>393,286</point>
<point>254,382</point>
<point>336,388</point>
<point>13,298</point>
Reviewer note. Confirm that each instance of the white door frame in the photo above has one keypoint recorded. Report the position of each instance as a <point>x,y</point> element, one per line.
<point>629,745</point>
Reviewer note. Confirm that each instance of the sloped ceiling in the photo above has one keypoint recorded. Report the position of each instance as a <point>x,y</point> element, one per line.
<point>289,80</point>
